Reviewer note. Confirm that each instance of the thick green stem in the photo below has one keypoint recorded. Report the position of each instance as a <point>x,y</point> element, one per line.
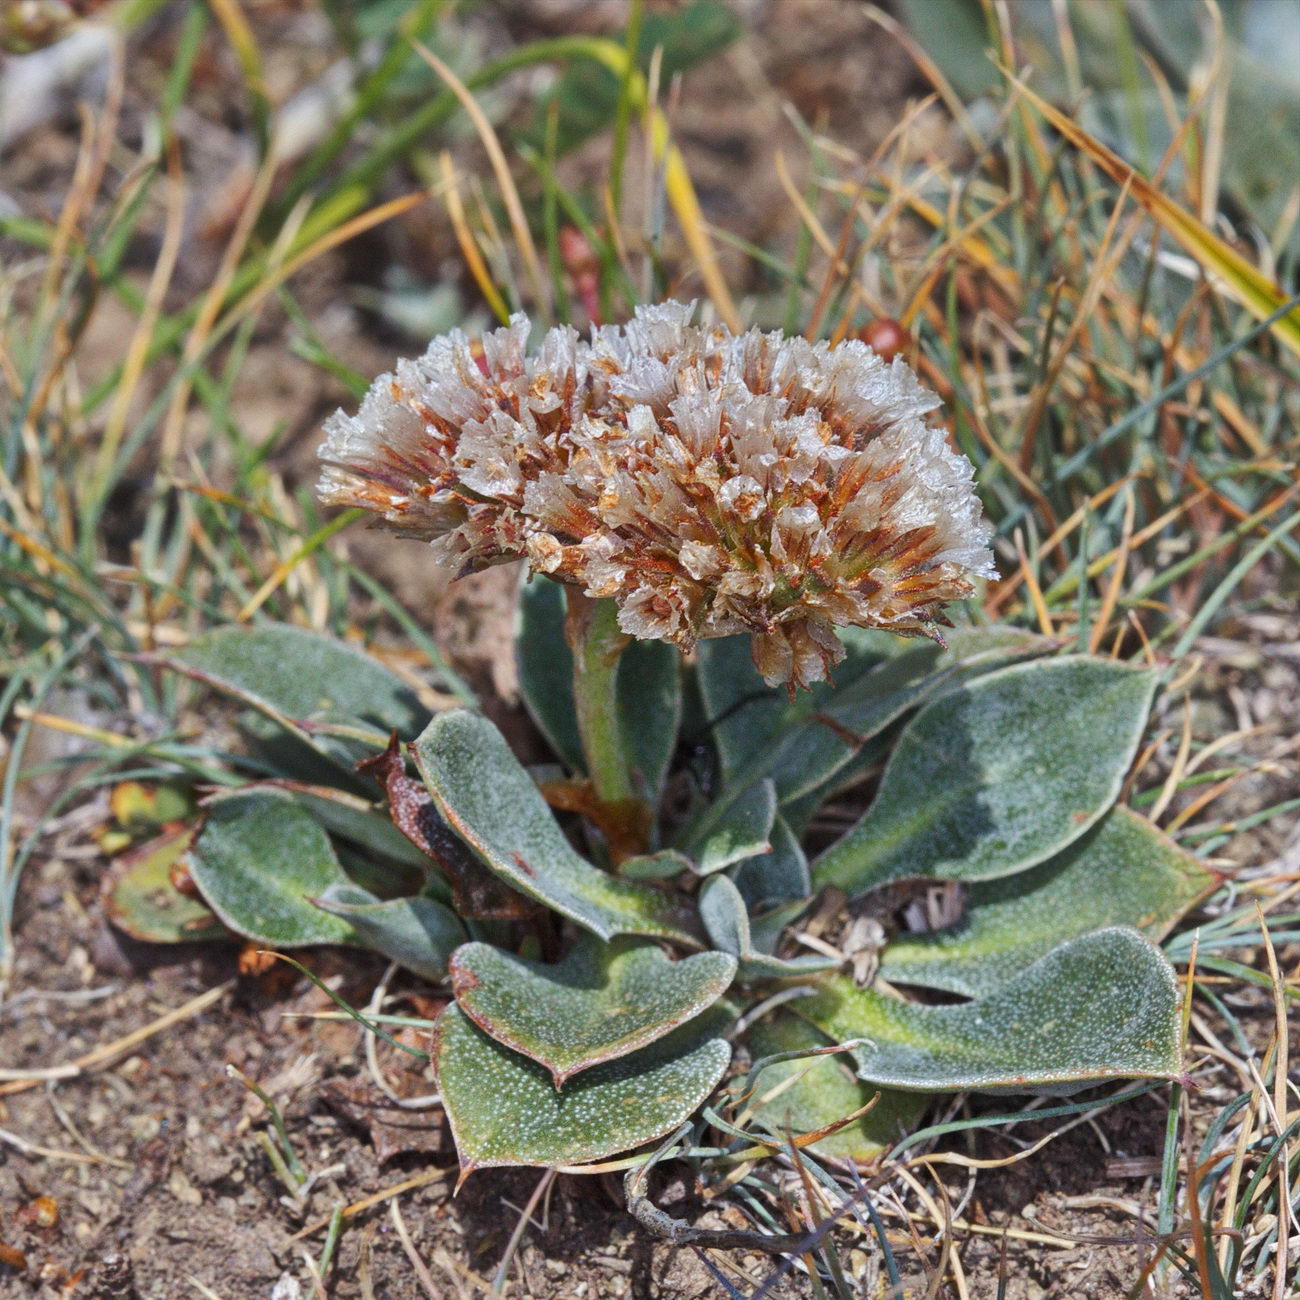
<point>592,631</point>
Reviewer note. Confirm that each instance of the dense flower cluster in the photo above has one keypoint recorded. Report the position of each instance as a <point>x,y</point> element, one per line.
<point>709,483</point>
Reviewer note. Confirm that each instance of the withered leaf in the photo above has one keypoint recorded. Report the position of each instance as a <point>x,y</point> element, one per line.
<point>478,894</point>
<point>393,1131</point>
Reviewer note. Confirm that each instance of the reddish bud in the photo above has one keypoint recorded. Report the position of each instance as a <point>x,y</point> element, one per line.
<point>885,337</point>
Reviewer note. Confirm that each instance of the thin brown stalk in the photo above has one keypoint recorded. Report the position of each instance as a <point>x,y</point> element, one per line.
<point>420,1268</point>
<point>501,169</point>
<point>210,309</point>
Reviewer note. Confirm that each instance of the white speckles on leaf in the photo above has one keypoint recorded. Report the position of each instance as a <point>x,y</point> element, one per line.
<point>494,806</point>
<point>1102,1006</point>
<point>602,1001</point>
<point>994,778</point>
<point>504,1109</point>
<point>1122,872</point>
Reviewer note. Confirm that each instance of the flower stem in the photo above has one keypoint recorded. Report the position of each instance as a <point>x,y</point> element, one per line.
<point>592,631</point>
<point>597,643</point>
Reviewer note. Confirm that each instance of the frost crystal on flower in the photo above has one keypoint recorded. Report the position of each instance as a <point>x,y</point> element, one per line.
<point>708,483</point>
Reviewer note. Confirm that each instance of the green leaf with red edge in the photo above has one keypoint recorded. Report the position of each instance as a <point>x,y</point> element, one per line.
<point>1122,872</point>
<point>494,806</point>
<point>1100,1007</point>
<point>602,1001</point>
<point>997,776</point>
<point>504,1108</point>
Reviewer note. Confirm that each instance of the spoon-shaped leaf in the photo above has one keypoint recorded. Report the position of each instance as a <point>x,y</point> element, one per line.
<point>998,775</point>
<point>1122,872</point>
<point>259,860</point>
<point>726,918</point>
<point>802,743</point>
<point>504,1108</point>
<point>602,1001</point>
<point>1103,1006</point>
<point>493,805</point>
<point>291,673</point>
<point>417,933</point>
<point>802,747</point>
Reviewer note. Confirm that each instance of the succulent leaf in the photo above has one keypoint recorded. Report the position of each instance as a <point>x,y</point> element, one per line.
<point>1122,872</point>
<point>289,673</point>
<point>742,830</point>
<point>726,919</point>
<point>602,1001</point>
<point>777,876</point>
<point>504,1108</point>
<point>663,865</point>
<point>999,775</point>
<point>417,933</point>
<point>475,891</point>
<point>801,743</point>
<point>746,716</point>
<point>259,860</point>
<point>766,929</point>
<point>802,1095</point>
<point>493,805</point>
<point>1103,1006</point>
<point>357,820</point>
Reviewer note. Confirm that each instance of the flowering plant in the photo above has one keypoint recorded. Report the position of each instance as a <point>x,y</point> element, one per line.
<point>706,516</point>
<point>709,484</point>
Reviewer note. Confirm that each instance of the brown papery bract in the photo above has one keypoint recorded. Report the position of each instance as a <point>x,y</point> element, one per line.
<point>709,483</point>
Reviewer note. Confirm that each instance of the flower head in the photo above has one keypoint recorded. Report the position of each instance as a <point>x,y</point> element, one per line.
<point>709,483</point>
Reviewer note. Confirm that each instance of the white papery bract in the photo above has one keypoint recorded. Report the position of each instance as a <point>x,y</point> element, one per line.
<point>709,483</point>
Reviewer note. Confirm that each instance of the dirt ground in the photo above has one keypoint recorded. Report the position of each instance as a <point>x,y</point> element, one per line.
<point>156,1183</point>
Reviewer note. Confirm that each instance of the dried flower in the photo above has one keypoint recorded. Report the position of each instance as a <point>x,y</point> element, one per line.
<point>708,483</point>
